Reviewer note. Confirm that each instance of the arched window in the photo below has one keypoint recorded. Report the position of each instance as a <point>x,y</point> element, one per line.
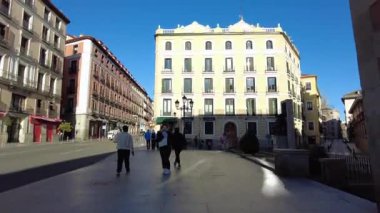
<point>168,45</point>
<point>208,45</point>
<point>248,45</point>
<point>188,45</point>
<point>228,45</point>
<point>269,45</point>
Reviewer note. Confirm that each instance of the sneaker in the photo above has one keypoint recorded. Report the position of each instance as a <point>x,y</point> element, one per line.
<point>166,172</point>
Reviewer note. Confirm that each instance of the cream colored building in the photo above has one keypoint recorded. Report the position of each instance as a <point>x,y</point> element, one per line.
<point>108,97</point>
<point>366,23</point>
<point>32,40</point>
<point>236,77</point>
<point>311,99</point>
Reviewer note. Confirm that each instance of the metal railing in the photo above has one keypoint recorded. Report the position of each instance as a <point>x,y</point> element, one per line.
<point>358,167</point>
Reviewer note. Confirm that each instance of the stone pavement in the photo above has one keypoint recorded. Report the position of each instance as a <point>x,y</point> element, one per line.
<point>209,181</point>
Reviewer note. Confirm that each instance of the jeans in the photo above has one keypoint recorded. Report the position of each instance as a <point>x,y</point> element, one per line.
<point>123,155</point>
<point>165,155</point>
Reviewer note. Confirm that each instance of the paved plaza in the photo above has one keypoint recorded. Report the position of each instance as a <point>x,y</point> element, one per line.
<point>209,181</point>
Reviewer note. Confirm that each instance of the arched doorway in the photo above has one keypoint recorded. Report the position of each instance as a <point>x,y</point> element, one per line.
<point>230,133</point>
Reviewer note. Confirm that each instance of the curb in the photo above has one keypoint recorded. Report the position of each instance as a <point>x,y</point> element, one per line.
<point>255,160</point>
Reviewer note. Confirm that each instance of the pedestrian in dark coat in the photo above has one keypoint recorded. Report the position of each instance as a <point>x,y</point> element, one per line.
<point>163,140</point>
<point>153,137</point>
<point>178,143</point>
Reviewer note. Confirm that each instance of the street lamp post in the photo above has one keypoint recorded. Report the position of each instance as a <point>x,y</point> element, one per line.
<point>187,104</point>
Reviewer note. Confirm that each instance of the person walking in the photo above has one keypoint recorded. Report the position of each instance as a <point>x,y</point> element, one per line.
<point>147,136</point>
<point>178,144</point>
<point>124,148</point>
<point>153,139</point>
<point>165,148</point>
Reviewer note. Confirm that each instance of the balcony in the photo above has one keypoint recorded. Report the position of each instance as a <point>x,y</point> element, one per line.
<point>40,111</point>
<point>228,70</point>
<point>167,70</point>
<point>229,91</point>
<point>272,90</point>
<point>270,69</point>
<point>53,114</point>
<point>20,80</point>
<point>29,3</point>
<point>249,69</point>
<point>166,91</point>
<point>250,90</point>
<point>16,108</point>
<point>71,90</point>
<point>208,91</point>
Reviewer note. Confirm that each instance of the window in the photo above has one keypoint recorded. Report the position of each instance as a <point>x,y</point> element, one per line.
<point>52,85</point>
<point>250,84</point>
<point>208,45</point>
<point>70,105</point>
<point>43,57</point>
<point>73,66</point>
<point>308,86</point>
<point>228,45</point>
<point>272,106</point>
<point>26,21</point>
<point>289,88</point>
<point>168,45</point>
<point>4,7</point>
<point>45,33</point>
<point>39,83</point>
<point>229,85</point>
<point>39,103</point>
<point>3,32</point>
<point>188,127</point>
<point>57,23</point>
<point>187,65</point>
<point>272,85</point>
<point>187,82</point>
<point>167,107</point>
<point>230,106</point>
<point>166,85</point>
<point>55,63</point>
<point>209,128</point>
<point>252,127</point>
<point>188,45</point>
<point>24,45</point>
<point>168,64</point>
<point>209,85</point>
<point>287,67</point>
<point>75,49</point>
<point>71,88</point>
<point>309,105</point>
<point>311,126</point>
<point>208,64</point>
<point>16,103</point>
<point>46,14</point>
<point>56,41</point>
<point>269,45</point>
<point>270,64</point>
<point>251,106</point>
<point>249,64</point>
<point>209,106</point>
<point>20,74</point>
<point>248,45</point>
<point>229,65</point>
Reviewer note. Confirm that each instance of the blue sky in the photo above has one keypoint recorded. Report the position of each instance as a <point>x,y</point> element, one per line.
<point>321,30</point>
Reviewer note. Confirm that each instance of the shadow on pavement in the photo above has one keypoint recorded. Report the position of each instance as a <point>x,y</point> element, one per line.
<point>16,179</point>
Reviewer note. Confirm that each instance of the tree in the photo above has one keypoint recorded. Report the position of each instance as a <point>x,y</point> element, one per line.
<point>65,127</point>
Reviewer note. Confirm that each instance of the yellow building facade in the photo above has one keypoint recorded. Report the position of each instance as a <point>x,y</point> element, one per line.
<point>311,109</point>
<point>236,78</point>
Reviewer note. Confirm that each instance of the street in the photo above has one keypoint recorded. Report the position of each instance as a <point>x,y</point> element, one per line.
<point>209,181</point>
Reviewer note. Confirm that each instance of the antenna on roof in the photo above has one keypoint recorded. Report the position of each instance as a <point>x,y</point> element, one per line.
<point>241,10</point>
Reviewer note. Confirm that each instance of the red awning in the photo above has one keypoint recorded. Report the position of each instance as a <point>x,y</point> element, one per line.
<point>52,120</point>
<point>3,114</point>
